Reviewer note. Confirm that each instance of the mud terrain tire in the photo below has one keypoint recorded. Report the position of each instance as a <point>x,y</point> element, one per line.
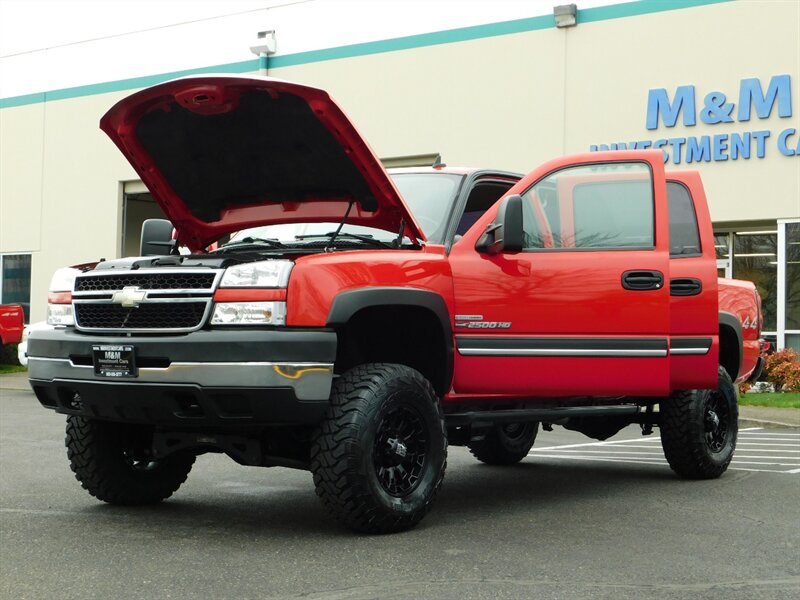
<point>505,444</point>
<point>104,459</point>
<point>699,429</point>
<point>379,456</point>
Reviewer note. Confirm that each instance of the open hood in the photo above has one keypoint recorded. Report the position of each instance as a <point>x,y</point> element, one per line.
<point>221,153</point>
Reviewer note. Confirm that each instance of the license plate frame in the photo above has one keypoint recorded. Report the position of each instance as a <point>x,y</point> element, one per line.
<point>114,361</point>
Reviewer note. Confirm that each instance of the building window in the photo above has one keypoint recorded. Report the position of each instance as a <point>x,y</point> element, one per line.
<point>755,258</point>
<point>15,282</point>
<point>722,245</point>
<point>789,280</point>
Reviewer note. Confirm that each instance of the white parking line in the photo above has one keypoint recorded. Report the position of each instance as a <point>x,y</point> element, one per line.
<point>770,439</point>
<point>745,443</point>
<point>756,449</point>
<point>624,460</point>
<point>762,449</point>
<point>769,433</point>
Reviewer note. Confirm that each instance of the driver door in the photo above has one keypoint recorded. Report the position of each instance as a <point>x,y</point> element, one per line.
<point>583,309</point>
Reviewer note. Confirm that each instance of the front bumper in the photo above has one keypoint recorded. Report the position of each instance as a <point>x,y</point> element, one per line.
<point>205,378</point>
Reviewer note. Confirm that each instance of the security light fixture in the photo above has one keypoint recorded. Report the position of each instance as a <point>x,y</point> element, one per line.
<point>566,15</point>
<point>264,43</point>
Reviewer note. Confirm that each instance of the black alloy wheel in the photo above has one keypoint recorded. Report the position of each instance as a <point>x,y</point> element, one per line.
<point>401,444</point>
<point>716,422</point>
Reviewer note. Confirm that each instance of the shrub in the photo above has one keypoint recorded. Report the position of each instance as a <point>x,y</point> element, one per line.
<point>8,354</point>
<point>783,370</point>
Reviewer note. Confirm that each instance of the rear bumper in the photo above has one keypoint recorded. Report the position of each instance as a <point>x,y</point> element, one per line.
<point>756,371</point>
<point>205,378</point>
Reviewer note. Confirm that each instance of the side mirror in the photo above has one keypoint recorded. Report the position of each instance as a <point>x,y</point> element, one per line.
<point>156,238</point>
<point>505,234</point>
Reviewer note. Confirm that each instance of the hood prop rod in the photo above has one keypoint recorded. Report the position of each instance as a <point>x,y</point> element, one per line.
<point>399,240</point>
<point>341,224</point>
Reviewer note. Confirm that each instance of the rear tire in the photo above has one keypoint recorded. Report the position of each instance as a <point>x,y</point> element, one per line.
<point>505,444</point>
<point>379,456</point>
<point>699,429</point>
<point>108,461</point>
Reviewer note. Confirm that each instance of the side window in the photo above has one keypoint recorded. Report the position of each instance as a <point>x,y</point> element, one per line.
<point>481,198</point>
<point>592,207</point>
<point>684,236</point>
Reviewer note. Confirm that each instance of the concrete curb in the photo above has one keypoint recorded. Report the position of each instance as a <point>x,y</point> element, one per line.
<point>750,422</point>
<point>15,381</point>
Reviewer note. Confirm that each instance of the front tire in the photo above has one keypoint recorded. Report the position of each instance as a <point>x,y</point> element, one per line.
<point>108,460</point>
<point>379,455</point>
<point>505,444</point>
<point>699,429</point>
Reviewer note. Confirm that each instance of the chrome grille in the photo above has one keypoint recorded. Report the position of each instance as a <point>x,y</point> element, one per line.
<point>155,315</point>
<point>152,300</point>
<point>145,281</point>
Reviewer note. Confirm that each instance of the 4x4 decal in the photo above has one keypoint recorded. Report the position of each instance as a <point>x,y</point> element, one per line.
<point>750,323</point>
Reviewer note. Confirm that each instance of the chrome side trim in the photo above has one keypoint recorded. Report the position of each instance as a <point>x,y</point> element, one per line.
<point>558,352</point>
<point>515,345</point>
<point>696,346</point>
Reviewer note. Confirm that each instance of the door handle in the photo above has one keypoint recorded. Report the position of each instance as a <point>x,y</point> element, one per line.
<point>642,280</point>
<point>685,286</point>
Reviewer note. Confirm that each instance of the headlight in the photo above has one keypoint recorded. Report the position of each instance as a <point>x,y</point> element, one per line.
<point>60,314</point>
<point>249,313</point>
<point>63,279</point>
<point>264,274</point>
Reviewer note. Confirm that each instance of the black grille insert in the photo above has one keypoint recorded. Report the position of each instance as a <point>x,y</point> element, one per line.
<point>155,315</point>
<point>145,281</point>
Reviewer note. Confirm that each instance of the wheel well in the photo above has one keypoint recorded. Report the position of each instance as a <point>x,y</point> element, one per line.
<point>729,351</point>
<point>407,335</point>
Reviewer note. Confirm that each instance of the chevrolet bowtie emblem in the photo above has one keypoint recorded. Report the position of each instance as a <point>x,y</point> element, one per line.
<point>129,297</point>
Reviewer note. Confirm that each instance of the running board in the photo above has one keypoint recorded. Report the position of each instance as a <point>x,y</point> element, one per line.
<point>537,414</point>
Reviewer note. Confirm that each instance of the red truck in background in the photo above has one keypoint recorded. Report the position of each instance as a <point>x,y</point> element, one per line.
<point>358,322</point>
<point>12,322</point>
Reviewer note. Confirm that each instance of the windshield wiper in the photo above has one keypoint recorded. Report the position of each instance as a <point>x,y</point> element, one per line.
<point>254,241</point>
<point>332,235</point>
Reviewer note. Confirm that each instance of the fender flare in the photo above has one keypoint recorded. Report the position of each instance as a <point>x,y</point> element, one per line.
<point>348,303</point>
<point>731,321</point>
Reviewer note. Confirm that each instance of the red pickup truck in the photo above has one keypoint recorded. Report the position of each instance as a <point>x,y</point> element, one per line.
<point>12,322</point>
<point>357,322</point>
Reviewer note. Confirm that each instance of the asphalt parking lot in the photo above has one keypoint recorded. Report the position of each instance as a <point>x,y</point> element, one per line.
<point>572,521</point>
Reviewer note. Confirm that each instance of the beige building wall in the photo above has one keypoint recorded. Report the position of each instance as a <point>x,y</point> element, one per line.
<point>60,187</point>
<point>611,65</point>
<point>510,101</point>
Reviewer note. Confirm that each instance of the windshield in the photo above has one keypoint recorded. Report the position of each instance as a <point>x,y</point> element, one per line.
<point>429,197</point>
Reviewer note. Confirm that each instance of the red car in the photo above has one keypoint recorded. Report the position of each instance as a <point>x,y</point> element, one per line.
<point>358,322</point>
